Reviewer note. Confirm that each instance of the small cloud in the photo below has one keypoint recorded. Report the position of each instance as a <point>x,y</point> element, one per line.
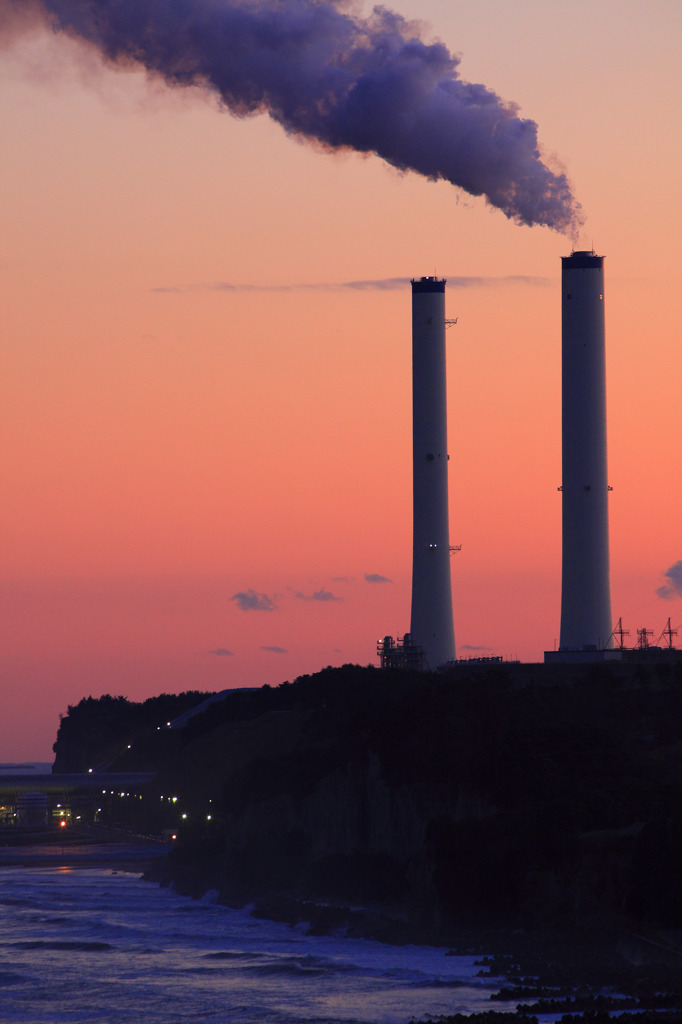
<point>325,595</point>
<point>473,647</point>
<point>227,286</point>
<point>343,579</point>
<point>374,577</point>
<point>673,588</point>
<point>250,601</point>
<point>275,650</point>
<point>384,284</point>
<point>380,284</point>
<point>318,595</point>
<point>492,282</point>
<point>222,652</point>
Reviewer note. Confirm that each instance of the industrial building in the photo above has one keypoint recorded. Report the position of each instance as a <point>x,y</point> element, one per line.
<point>587,631</point>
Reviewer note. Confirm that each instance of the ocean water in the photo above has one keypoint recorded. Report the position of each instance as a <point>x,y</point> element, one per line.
<point>103,947</point>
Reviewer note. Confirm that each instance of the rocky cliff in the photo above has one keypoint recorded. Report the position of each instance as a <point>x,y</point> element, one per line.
<point>505,796</point>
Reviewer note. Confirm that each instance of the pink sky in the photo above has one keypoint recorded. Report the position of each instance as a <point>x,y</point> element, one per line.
<point>169,443</point>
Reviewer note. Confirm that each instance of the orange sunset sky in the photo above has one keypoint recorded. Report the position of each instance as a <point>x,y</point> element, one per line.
<point>197,404</point>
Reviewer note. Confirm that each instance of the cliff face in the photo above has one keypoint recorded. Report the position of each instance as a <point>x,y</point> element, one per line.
<point>507,796</point>
<point>350,836</point>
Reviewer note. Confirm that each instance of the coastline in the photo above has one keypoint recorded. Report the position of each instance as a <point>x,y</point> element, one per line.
<point>571,973</point>
<point>575,976</point>
<point>106,855</point>
<point>82,848</point>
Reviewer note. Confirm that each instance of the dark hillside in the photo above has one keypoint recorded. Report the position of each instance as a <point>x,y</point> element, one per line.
<point>97,729</point>
<point>511,795</point>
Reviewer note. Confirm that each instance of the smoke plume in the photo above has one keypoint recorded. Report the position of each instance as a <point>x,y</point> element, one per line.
<point>673,588</point>
<point>327,74</point>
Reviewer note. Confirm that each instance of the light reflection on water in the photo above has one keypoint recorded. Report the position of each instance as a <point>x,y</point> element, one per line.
<point>103,947</point>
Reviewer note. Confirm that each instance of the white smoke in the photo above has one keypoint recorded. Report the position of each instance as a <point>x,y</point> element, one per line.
<point>370,84</point>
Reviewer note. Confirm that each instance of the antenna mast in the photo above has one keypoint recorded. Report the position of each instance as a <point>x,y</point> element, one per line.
<point>619,635</point>
<point>643,638</point>
<point>668,633</point>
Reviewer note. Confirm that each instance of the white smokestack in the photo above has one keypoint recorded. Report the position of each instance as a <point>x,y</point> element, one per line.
<point>431,622</point>
<point>585,592</point>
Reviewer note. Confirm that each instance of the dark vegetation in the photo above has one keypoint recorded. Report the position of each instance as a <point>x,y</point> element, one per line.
<point>529,808</point>
<point>94,731</point>
<point>504,797</point>
<point>592,1016</point>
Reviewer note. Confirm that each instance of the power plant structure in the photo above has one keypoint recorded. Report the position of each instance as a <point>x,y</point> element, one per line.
<point>586,624</point>
<point>587,632</point>
<point>431,641</point>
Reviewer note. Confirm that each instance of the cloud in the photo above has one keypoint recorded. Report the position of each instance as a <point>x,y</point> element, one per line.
<point>493,282</point>
<point>250,601</point>
<point>343,579</point>
<point>222,652</point>
<point>673,588</point>
<point>380,284</point>
<point>318,595</point>
<point>473,647</point>
<point>275,650</point>
<point>374,577</point>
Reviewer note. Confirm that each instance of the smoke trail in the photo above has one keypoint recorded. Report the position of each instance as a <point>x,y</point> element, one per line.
<point>673,588</point>
<point>370,84</point>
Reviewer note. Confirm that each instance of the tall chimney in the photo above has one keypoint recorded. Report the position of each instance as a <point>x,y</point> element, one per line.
<point>431,620</point>
<point>585,588</point>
